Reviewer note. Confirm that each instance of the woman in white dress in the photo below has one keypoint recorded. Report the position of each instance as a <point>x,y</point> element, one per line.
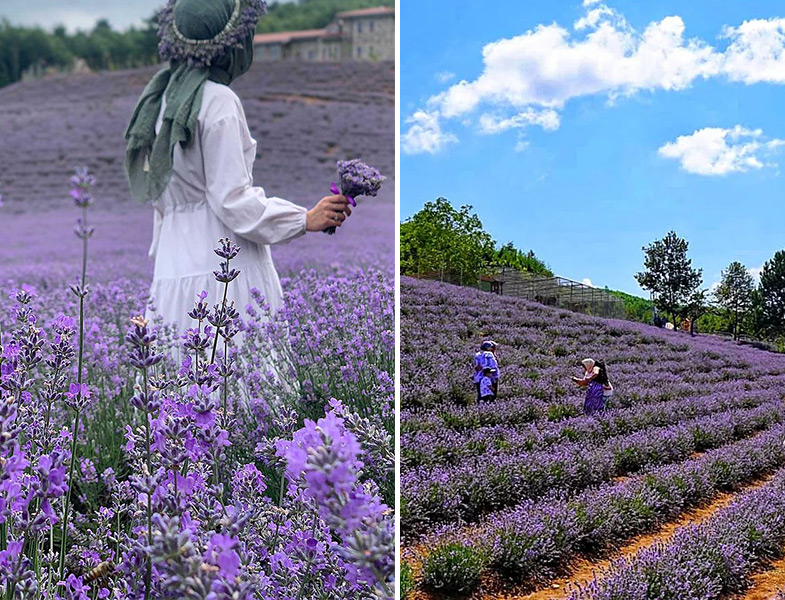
<point>191,155</point>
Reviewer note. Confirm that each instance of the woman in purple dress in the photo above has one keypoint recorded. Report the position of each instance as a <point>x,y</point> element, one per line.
<point>594,380</point>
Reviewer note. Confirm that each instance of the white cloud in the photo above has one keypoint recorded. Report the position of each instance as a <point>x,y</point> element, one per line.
<point>548,119</point>
<point>425,134</point>
<point>544,67</point>
<point>540,70</point>
<point>593,17</point>
<point>587,281</point>
<point>756,52</point>
<point>717,151</point>
<point>444,76</point>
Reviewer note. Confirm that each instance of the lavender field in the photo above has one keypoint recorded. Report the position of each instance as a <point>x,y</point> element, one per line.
<point>674,491</point>
<point>127,474</point>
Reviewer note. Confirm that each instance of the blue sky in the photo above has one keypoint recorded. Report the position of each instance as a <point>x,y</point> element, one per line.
<point>585,130</point>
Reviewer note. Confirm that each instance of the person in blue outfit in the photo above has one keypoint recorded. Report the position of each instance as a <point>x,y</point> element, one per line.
<point>486,385</point>
<point>486,358</point>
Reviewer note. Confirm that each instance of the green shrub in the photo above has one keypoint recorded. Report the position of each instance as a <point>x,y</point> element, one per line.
<point>559,412</point>
<point>454,568</point>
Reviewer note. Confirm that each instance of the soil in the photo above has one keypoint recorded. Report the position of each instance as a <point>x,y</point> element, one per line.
<point>766,584</point>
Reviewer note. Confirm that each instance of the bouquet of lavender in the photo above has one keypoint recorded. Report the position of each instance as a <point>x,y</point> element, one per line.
<point>356,179</point>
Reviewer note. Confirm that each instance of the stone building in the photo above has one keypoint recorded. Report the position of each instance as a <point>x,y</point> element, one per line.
<point>372,32</point>
<point>366,34</point>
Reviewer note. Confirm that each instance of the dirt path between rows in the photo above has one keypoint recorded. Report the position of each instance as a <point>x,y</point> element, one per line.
<point>583,570</point>
<point>766,584</point>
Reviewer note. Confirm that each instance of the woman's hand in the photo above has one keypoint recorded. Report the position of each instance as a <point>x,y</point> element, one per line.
<point>330,211</point>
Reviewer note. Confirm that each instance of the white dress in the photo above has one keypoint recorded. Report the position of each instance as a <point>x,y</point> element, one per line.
<point>211,196</point>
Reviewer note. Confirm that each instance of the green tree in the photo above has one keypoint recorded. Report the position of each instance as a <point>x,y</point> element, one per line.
<point>448,241</point>
<point>772,295</point>
<point>510,256</point>
<point>696,306</point>
<point>669,274</point>
<point>734,294</point>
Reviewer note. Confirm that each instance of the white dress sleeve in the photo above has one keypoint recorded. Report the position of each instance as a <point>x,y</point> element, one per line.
<point>243,208</point>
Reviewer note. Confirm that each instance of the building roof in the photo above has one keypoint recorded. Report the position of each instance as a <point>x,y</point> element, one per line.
<point>284,37</point>
<point>377,11</point>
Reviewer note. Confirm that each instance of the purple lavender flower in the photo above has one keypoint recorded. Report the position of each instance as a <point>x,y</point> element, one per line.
<point>81,183</point>
<point>356,179</point>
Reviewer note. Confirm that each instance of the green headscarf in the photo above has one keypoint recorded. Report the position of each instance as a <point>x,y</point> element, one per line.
<point>149,157</point>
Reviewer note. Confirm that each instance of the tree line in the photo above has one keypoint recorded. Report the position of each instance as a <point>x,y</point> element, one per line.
<point>452,244</point>
<point>104,48</point>
<point>737,305</point>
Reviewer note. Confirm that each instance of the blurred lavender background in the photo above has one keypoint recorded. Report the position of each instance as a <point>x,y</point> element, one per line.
<point>304,116</point>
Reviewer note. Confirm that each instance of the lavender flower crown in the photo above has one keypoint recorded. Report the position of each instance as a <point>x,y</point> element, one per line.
<point>173,45</point>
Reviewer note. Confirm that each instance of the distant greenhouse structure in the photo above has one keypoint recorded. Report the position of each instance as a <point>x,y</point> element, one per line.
<point>559,292</point>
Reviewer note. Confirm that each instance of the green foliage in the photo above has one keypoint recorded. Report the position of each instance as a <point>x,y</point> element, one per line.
<point>772,296</point>
<point>454,568</point>
<point>735,294</point>
<point>453,245</point>
<point>635,307</point>
<point>445,240</point>
<point>696,306</point>
<point>668,273</point>
<point>407,581</point>
<point>716,320</point>
<point>310,14</point>
<point>510,256</point>
<point>102,48</point>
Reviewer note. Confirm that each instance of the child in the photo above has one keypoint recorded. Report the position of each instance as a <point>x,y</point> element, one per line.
<point>486,357</point>
<point>486,385</point>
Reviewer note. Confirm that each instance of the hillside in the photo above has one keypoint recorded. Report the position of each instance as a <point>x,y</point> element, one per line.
<point>303,115</point>
<point>531,489</point>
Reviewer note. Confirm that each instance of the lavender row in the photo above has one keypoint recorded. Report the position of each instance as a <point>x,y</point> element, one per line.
<point>497,480</point>
<point>439,445</point>
<point>533,542</point>
<point>705,561</point>
<point>523,410</point>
